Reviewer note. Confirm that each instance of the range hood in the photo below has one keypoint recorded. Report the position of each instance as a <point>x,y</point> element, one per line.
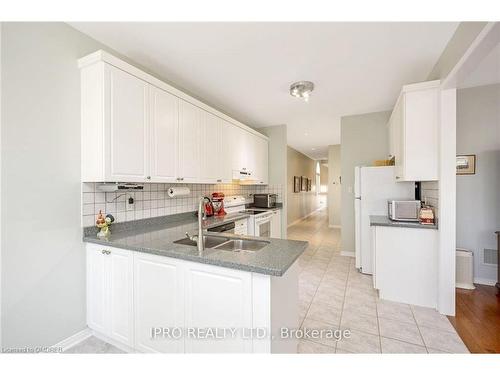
<point>243,176</point>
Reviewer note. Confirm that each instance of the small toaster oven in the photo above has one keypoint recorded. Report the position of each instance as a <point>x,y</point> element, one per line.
<point>404,210</point>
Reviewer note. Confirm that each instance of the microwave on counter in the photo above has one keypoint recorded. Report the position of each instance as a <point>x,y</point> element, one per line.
<point>404,210</point>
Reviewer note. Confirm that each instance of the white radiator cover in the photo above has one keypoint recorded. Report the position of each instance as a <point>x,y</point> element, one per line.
<point>465,269</point>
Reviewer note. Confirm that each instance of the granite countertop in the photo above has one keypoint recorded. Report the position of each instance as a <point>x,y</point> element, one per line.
<point>384,221</point>
<point>157,236</point>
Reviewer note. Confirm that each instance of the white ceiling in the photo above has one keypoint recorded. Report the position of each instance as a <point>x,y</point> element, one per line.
<point>245,69</point>
<point>486,73</point>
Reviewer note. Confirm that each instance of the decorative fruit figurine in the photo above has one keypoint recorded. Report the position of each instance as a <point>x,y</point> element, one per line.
<point>104,222</point>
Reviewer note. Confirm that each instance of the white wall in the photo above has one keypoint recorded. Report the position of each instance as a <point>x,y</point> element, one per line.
<point>278,165</point>
<point>43,259</point>
<point>363,140</point>
<point>334,189</point>
<point>478,196</point>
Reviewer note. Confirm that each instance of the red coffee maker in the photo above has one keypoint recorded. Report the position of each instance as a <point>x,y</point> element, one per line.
<point>218,204</point>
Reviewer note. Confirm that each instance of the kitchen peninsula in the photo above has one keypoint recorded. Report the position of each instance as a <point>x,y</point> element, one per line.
<point>141,282</point>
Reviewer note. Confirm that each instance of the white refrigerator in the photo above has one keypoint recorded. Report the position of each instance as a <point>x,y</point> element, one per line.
<point>373,187</point>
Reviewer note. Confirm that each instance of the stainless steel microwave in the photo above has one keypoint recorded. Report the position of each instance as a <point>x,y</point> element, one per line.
<point>264,200</point>
<point>404,210</point>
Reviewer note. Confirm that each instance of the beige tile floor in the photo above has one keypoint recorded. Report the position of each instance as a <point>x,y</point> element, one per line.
<point>93,345</point>
<point>333,294</point>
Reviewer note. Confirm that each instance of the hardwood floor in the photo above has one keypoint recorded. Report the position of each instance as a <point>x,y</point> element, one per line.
<point>477,319</point>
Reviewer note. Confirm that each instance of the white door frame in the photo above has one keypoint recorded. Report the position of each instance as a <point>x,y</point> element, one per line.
<point>1,24</point>
<point>488,38</point>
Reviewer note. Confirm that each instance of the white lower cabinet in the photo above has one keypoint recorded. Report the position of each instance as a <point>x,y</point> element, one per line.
<point>276,224</point>
<point>405,264</point>
<point>110,308</point>
<point>241,227</point>
<point>219,299</point>
<point>159,304</point>
<point>151,303</point>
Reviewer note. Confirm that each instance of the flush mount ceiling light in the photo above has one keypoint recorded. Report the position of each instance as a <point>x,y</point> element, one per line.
<point>302,89</point>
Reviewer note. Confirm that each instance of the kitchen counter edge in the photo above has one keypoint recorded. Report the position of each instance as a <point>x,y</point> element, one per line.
<point>384,221</point>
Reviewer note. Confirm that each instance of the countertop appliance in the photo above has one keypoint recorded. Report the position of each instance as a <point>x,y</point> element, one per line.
<point>264,200</point>
<point>403,210</point>
<point>373,187</point>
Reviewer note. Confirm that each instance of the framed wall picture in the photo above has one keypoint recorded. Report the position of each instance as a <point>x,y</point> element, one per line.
<point>303,183</point>
<point>466,164</point>
<point>296,184</point>
<point>309,184</point>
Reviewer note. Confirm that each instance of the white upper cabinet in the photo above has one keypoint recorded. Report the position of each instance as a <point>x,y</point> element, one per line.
<point>261,152</point>
<point>127,126</point>
<point>413,132</point>
<point>164,133</point>
<point>226,151</point>
<point>189,142</point>
<point>250,154</point>
<point>136,128</point>
<point>239,141</point>
<point>211,147</point>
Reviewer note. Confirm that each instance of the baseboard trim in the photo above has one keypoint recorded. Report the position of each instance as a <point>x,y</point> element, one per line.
<point>348,254</point>
<point>305,217</point>
<point>109,340</point>
<point>488,282</point>
<point>334,226</point>
<point>73,340</point>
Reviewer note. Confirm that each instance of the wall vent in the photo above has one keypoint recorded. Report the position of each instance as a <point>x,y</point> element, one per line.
<point>490,256</point>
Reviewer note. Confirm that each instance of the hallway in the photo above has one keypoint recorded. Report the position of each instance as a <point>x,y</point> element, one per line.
<point>334,295</point>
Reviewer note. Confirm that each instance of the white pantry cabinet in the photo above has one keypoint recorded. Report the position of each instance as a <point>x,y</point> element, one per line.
<point>110,308</point>
<point>413,132</point>
<point>136,128</point>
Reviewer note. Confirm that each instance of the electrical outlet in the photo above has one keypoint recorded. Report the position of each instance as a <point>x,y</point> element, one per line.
<point>130,204</point>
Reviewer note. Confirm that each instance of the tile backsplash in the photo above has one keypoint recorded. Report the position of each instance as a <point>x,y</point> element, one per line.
<point>153,201</point>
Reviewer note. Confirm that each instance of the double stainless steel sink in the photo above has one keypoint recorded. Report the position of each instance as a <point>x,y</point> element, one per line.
<point>226,243</point>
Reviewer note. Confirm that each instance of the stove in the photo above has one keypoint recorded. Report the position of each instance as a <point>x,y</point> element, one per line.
<point>259,222</point>
<point>253,212</point>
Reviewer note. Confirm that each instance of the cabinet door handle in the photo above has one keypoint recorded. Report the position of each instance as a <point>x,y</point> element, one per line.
<point>106,252</point>
<point>219,180</point>
<point>180,178</point>
<point>397,177</point>
<point>148,177</point>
